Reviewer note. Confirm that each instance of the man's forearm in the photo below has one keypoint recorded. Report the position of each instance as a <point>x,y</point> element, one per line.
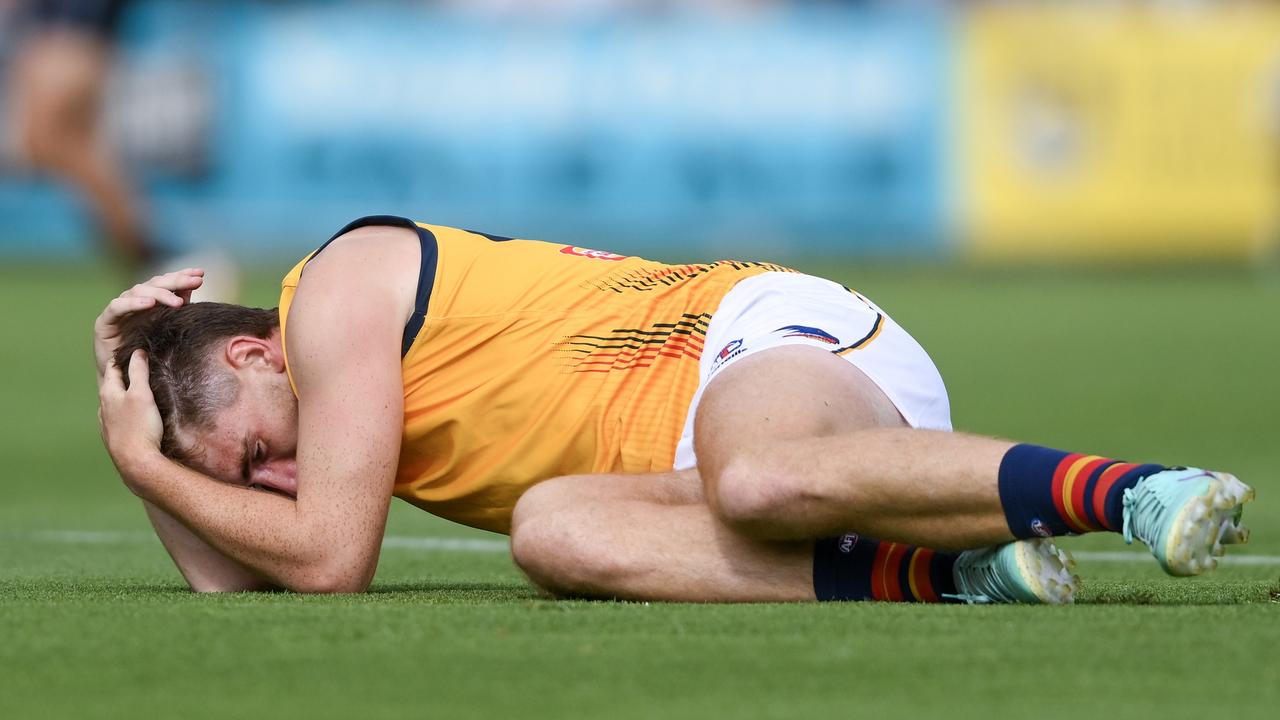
<point>265,533</point>
<point>204,568</point>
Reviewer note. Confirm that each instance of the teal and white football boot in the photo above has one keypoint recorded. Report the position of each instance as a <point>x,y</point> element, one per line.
<point>1025,571</point>
<point>1186,515</point>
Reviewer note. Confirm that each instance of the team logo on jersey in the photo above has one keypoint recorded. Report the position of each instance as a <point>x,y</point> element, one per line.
<point>848,542</point>
<point>589,253</point>
<point>1038,527</point>
<point>731,350</point>
<point>812,333</point>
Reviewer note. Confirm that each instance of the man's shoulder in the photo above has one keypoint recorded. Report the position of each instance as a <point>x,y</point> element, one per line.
<point>360,287</point>
<point>364,253</point>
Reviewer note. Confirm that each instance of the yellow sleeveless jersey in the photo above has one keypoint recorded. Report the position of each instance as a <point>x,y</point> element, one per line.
<point>527,360</point>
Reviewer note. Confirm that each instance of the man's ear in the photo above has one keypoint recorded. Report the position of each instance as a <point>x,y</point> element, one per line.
<point>246,350</point>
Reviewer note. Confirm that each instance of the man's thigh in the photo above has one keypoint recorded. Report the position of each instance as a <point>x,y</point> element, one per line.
<point>677,487</point>
<point>783,394</point>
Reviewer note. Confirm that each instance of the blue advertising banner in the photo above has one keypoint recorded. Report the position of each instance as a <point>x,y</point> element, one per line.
<point>771,134</point>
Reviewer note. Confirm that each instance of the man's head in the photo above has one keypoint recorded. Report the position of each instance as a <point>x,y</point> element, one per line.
<point>218,377</point>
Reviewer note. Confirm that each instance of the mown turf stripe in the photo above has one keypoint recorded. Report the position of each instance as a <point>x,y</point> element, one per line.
<point>480,545</point>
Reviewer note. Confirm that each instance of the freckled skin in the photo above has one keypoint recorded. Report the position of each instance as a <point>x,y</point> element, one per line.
<point>336,447</point>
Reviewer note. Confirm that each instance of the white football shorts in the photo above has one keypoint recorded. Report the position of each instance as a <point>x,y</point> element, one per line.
<point>777,308</point>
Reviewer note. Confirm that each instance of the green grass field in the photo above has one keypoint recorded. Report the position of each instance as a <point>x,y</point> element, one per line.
<point>1176,366</point>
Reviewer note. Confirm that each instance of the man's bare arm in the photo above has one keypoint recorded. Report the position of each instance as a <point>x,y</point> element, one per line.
<point>344,339</point>
<point>204,568</point>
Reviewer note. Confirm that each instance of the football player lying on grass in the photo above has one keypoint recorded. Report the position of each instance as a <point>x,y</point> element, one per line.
<point>721,432</point>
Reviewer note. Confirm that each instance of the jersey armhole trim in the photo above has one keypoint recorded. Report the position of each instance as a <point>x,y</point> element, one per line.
<point>426,273</point>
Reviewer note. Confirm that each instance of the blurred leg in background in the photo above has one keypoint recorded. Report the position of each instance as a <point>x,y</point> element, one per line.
<point>60,76</point>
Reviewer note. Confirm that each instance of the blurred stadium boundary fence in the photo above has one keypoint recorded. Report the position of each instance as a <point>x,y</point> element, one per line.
<point>994,131</point>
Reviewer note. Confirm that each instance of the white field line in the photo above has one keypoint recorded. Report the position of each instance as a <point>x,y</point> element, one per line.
<point>477,545</point>
<point>1091,556</point>
<point>399,542</point>
<point>440,544</point>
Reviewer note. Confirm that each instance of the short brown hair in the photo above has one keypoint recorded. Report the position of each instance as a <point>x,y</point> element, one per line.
<point>188,386</point>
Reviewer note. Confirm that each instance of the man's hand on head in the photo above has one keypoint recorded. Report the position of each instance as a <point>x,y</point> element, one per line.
<point>128,418</point>
<point>132,430</point>
<point>172,289</point>
<point>336,431</point>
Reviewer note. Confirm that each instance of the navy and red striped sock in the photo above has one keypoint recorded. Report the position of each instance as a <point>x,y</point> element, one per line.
<point>854,567</point>
<point>1048,492</point>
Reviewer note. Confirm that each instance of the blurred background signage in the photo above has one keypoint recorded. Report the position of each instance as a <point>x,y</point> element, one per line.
<point>991,131</point>
<point>1119,130</point>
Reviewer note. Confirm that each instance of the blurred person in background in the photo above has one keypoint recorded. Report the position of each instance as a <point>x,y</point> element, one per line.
<point>59,78</point>
<point>60,75</point>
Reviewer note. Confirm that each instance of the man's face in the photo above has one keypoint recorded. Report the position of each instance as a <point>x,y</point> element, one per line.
<point>254,441</point>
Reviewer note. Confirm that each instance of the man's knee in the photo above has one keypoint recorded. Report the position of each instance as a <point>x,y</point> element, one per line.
<point>758,496</point>
<point>754,434</point>
<point>553,543</point>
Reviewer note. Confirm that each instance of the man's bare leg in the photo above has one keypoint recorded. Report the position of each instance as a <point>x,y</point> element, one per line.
<point>654,537</point>
<point>786,451</point>
<point>649,537</point>
<point>795,442</point>
<point>795,446</point>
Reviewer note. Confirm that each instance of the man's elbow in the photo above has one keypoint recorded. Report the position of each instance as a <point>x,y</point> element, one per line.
<point>332,578</point>
<point>216,586</point>
<point>329,586</point>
